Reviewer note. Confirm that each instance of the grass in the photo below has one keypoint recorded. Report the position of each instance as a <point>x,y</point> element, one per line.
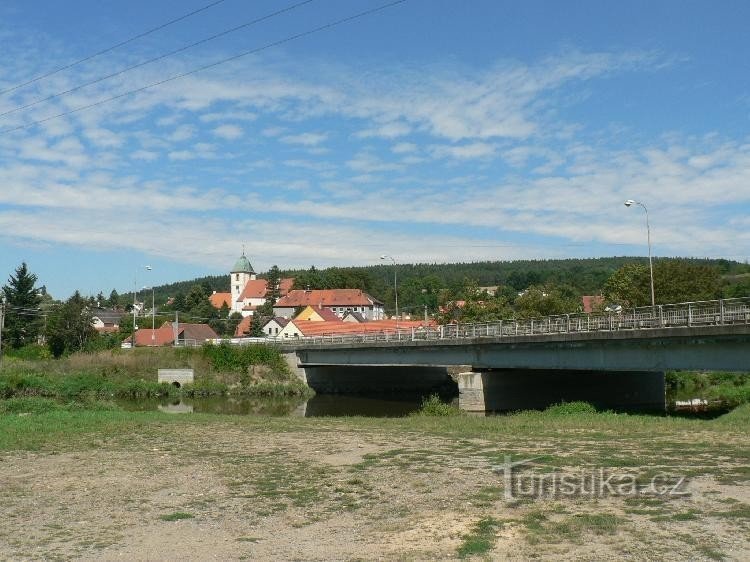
<point>481,539</point>
<point>176,516</point>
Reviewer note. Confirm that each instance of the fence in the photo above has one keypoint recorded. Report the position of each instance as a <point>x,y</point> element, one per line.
<point>705,313</point>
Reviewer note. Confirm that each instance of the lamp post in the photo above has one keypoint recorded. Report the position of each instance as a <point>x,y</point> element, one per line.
<point>630,203</point>
<point>135,298</point>
<point>153,314</point>
<point>395,281</point>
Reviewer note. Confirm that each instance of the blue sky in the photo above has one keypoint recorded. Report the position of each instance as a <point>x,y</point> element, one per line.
<point>434,131</point>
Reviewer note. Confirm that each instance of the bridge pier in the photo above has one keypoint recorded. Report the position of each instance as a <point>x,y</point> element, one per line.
<point>294,365</point>
<point>525,389</point>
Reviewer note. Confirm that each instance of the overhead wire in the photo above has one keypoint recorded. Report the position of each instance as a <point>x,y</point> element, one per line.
<point>158,58</point>
<point>112,48</point>
<point>267,46</point>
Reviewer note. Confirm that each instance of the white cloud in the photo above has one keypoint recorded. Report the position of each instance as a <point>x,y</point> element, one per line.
<point>403,147</point>
<point>145,155</point>
<point>465,151</point>
<point>182,133</point>
<point>305,139</point>
<point>229,132</point>
<point>386,131</point>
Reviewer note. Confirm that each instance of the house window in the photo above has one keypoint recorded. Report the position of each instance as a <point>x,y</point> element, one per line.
<point>236,276</point>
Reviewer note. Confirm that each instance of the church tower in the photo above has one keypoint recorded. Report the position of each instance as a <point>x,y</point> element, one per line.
<point>241,273</point>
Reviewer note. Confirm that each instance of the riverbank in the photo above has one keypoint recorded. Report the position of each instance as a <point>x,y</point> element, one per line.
<point>111,484</point>
<point>219,371</point>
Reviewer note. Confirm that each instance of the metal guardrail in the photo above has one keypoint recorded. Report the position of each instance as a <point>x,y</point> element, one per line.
<point>704,313</point>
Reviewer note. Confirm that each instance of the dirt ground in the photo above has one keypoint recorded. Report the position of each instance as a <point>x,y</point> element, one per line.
<point>224,491</point>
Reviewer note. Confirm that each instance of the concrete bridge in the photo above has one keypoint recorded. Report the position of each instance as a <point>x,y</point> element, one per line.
<point>611,360</point>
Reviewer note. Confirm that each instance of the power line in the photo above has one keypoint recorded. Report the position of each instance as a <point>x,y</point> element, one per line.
<point>288,39</point>
<point>112,48</point>
<point>158,58</point>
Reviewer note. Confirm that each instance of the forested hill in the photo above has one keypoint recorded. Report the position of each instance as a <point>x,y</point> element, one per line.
<point>584,276</point>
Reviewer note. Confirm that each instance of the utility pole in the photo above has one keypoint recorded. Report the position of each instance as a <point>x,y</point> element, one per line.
<point>2,322</point>
<point>425,313</point>
<point>177,327</point>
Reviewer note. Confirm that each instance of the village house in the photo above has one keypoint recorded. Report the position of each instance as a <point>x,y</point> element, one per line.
<point>340,301</point>
<point>304,328</point>
<point>106,321</point>
<point>182,334</point>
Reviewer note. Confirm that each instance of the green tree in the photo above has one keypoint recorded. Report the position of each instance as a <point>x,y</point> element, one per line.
<point>674,281</point>
<point>69,327</point>
<point>196,297</point>
<point>548,300</point>
<point>274,285</point>
<point>470,304</point>
<point>22,319</point>
<point>180,302</point>
<point>114,299</point>
<point>232,322</point>
<point>256,326</point>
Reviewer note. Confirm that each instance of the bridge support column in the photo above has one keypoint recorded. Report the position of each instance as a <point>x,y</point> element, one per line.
<point>293,361</point>
<point>471,388</point>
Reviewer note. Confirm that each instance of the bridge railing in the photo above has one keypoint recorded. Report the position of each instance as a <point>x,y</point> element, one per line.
<point>703,313</point>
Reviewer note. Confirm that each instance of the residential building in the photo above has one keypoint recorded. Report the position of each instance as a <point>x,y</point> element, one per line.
<point>106,320</point>
<point>183,334</point>
<point>274,326</point>
<point>318,314</point>
<point>304,328</point>
<point>339,301</point>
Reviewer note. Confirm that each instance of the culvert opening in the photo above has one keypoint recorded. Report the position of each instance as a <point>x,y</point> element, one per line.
<point>176,384</point>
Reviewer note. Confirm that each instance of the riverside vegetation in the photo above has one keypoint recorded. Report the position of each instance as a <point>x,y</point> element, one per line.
<point>219,370</point>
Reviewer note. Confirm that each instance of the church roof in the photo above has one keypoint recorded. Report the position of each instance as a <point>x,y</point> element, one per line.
<point>242,265</point>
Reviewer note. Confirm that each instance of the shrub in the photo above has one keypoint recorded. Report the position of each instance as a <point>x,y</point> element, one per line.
<point>570,409</point>
<point>433,406</point>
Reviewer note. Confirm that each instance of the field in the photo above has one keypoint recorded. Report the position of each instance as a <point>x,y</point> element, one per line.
<point>105,484</point>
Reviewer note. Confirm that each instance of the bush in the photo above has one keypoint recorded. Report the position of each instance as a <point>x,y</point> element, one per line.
<point>32,352</point>
<point>433,406</point>
<point>570,409</point>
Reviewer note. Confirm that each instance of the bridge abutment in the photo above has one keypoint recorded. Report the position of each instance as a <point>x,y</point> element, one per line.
<point>294,365</point>
<point>505,389</point>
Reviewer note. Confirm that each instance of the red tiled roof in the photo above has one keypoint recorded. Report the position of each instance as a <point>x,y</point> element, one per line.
<point>255,289</point>
<point>591,301</point>
<point>337,328</point>
<point>285,286</point>
<point>243,328</point>
<point>326,297</point>
<point>164,335</point>
<point>217,300</point>
<point>197,332</point>
<point>258,288</point>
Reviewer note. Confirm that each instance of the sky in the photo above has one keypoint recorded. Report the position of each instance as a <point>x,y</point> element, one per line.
<point>430,131</point>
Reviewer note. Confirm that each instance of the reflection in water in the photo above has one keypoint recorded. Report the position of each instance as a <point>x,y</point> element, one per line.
<point>178,407</point>
<point>319,405</point>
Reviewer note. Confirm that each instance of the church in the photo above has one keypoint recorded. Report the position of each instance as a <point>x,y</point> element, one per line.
<point>247,292</point>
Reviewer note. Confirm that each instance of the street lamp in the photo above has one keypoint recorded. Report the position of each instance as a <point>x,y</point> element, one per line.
<point>395,281</point>
<point>135,298</point>
<point>630,203</point>
<point>153,313</point>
